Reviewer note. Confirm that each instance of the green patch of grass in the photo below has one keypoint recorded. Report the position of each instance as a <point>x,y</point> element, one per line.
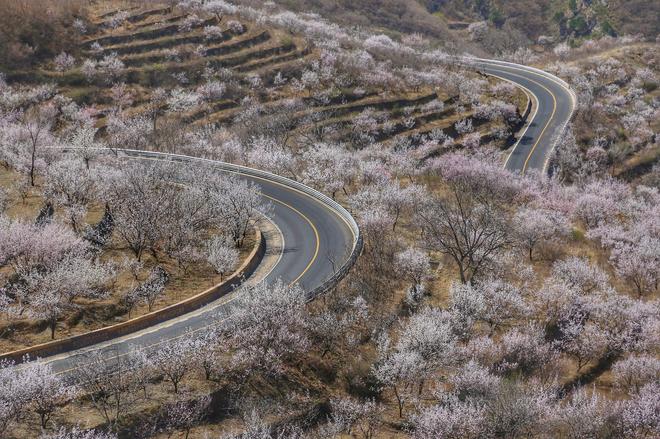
<point>650,87</point>
<point>577,235</point>
<point>286,40</point>
<point>82,95</point>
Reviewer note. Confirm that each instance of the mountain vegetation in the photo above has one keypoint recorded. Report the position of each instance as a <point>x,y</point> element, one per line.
<point>485,303</point>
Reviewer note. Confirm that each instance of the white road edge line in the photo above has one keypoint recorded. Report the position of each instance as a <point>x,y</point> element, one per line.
<point>553,78</point>
<point>530,120</point>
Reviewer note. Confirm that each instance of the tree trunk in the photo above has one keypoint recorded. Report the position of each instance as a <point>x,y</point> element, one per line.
<point>33,159</point>
<point>461,271</point>
<point>399,401</point>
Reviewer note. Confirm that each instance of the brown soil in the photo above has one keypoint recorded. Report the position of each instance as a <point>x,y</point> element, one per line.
<point>93,314</point>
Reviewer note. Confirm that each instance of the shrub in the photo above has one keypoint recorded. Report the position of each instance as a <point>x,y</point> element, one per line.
<point>32,31</point>
<point>577,235</point>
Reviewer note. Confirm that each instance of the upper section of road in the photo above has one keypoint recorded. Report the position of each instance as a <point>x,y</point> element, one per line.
<point>554,104</point>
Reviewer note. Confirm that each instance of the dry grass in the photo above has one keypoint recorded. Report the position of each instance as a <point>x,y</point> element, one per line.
<point>32,31</point>
<point>94,314</point>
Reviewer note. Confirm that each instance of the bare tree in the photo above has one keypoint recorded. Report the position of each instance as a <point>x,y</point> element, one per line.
<point>37,124</point>
<point>108,379</point>
<point>471,233</point>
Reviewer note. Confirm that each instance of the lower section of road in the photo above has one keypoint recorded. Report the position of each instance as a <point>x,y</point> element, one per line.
<point>308,237</point>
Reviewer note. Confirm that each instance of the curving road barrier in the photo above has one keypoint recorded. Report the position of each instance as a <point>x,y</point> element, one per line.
<point>338,209</point>
<point>321,242</point>
<point>316,231</point>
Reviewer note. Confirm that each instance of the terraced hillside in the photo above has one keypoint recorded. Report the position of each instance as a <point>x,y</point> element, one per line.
<point>484,301</point>
<point>166,63</point>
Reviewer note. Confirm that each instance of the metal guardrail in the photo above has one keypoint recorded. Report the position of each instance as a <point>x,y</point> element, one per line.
<point>337,208</point>
<point>224,309</point>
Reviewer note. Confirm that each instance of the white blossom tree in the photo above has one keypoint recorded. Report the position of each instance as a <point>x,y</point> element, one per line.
<point>635,371</point>
<point>426,341</point>
<point>70,186</point>
<point>538,226</point>
<point>222,257</point>
<point>78,433</point>
<point>173,360</point>
<point>48,391</point>
<point>414,264</point>
<point>108,379</point>
<point>183,414</point>
<point>267,327</point>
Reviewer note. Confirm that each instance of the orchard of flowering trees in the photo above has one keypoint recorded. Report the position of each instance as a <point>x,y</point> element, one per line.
<point>484,304</point>
<point>56,263</point>
<point>163,210</point>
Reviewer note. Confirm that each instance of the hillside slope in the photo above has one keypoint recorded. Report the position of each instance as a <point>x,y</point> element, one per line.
<point>560,19</point>
<point>406,16</point>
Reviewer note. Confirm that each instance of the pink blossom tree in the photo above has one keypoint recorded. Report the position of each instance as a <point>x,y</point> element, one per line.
<point>267,327</point>
<point>538,226</point>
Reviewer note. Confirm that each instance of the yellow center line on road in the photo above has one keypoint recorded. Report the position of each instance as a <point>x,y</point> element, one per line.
<point>314,229</point>
<point>531,96</point>
<point>554,111</point>
<point>309,265</point>
<point>316,236</point>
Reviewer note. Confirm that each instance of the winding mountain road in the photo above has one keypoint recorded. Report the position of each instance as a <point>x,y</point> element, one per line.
<point>554,104</point>
<point>320,238</point>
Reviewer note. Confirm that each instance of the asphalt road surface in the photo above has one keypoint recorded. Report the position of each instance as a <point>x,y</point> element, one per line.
<point>554,106</point>
<point>316,242</point>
